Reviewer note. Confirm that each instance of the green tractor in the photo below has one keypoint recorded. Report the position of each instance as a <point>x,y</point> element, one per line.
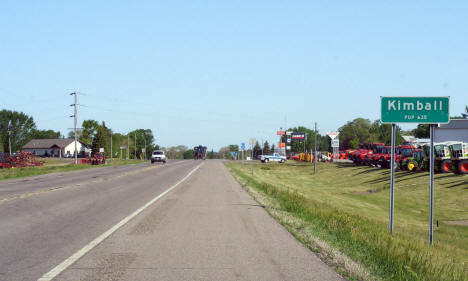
<point>416,162</point>
<point>459,157</point>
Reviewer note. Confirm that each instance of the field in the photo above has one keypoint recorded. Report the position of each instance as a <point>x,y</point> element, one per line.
<point>54,165</point>
<point>347,208</point>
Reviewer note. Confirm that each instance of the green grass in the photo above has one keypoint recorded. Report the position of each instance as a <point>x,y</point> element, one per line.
<point>347,207</point>
<point>56,166</point>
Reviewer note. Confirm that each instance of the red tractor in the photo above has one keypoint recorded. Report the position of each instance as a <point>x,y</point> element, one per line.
<point>382,152</point>
<point>98,158</point>
<point>375,149</point>
<point>402,153</point>
<point>363,156</point>
<point>355,156</point>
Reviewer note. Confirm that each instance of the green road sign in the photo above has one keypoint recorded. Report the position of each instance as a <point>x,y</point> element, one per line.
<point>430,110</point>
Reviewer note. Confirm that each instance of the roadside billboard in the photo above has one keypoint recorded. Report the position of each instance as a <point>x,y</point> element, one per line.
<point>296,136</point>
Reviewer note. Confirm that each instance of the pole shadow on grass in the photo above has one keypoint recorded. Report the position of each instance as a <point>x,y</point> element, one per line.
<point>463,183</point>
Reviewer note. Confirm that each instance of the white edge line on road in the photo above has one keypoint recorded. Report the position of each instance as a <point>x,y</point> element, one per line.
<point>69,261</point>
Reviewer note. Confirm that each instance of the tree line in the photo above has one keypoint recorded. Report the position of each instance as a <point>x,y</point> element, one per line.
<point>97,135</point>
<point>18,128</point>
<point>359,130</point>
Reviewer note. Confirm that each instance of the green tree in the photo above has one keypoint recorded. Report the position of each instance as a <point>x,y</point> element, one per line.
<point>355,132</point>
<point>324,143</point>
<point>44,134</point>
<point>257,150</point>
<point>175,152</point>
<point>224,152</point>
<point>189,154</point>
<point>266,148</point>
<point>101,139</point>
<point>88,131</point>
<point>422,131</point>
<point>20,126</point>
<point>233,148</point>
<point>143,136</point>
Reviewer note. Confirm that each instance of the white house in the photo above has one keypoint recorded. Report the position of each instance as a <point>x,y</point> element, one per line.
<point>455,130</point>
<point>55,147</point>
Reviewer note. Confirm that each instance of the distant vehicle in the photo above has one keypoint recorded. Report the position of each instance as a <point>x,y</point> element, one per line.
<point>158,156</point>
<point>98,159</point>
<point>199,152</point>
<point>276,157</point>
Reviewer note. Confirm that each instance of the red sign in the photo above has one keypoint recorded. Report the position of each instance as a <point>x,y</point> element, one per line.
<point>281,133</point>
<point>281,144</point>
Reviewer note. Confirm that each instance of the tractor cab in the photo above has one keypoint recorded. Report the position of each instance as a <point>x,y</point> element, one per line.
<point>459,157</point>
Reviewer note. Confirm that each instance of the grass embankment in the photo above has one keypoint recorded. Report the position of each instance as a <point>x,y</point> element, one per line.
<point>347,208</point>
<point>56,166</point>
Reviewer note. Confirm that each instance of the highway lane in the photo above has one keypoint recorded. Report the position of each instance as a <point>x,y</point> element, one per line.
<point>45,219</point>
<point>17,187</point>
<point>207,228</point>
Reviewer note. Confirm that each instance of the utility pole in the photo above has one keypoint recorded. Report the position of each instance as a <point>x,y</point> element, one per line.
<point>9,136</point>
<point>111,145</point>
<point>128,145</point>
<point>144,137</point>
<point>74,128</point>
<point>135,146</point>
<point>315,149</point>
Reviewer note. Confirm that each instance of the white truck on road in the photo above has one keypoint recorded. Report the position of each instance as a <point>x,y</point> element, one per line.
<point>276,157</point>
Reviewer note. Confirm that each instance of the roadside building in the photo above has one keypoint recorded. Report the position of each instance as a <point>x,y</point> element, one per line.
<point>55,147</point>
<point>455,130</point>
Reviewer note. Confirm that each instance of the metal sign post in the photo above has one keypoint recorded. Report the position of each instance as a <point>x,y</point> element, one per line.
<point>243,148</point>
<point>252,143</point>
<point>335,143</point>
<point>431,186</point>
<point>422,110</point>
<point>392,181</point>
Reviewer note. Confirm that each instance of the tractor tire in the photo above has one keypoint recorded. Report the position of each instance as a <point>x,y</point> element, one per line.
<point>444,166</point>
<point>413,166</point>
<point>463,167</point>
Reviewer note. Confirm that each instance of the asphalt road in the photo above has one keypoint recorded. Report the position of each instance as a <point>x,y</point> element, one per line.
<point>201,226</point>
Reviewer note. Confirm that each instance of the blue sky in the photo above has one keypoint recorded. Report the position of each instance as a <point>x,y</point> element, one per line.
<point>213,73</point>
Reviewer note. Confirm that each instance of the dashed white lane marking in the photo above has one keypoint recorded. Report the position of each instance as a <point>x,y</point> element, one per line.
<point>69,261</point>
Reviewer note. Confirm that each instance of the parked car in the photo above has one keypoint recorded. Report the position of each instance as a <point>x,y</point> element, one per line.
<point>276,157</point>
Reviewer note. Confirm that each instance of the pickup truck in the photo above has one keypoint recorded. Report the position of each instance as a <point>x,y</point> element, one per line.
<point>158,156</point>
<point>276,157</point>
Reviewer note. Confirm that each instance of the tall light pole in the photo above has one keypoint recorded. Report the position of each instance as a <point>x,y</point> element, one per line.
<point>74,128</point>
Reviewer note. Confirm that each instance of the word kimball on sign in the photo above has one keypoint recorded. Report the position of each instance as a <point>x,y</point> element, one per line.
<point>415,109</point>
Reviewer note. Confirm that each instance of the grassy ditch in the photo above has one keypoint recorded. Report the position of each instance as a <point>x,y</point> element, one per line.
<point>347,208</point>
<point>56,166</point>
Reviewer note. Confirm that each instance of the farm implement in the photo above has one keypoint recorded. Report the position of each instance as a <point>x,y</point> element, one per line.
<point>19,159</point>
